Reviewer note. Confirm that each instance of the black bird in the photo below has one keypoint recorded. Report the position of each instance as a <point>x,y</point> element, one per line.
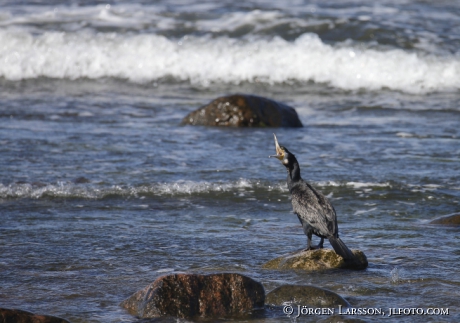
<point>315,212</point>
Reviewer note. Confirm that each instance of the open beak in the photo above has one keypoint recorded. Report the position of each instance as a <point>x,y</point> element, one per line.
<point>279,151</point>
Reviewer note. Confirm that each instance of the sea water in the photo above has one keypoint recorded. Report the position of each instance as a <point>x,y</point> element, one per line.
<point>101,190</point>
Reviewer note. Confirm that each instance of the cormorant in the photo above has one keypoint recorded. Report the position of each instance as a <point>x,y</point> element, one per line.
<point>315,212</point>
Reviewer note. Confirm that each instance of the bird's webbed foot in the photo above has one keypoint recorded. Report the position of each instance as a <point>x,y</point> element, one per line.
<point>313,247</point>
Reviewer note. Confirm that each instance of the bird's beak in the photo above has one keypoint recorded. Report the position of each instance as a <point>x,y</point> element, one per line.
<point>279,151</point>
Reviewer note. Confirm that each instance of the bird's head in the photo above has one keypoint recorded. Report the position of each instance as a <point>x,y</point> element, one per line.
<point>284,155</point>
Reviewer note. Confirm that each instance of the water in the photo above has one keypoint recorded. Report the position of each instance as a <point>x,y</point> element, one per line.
<point>102,191</point>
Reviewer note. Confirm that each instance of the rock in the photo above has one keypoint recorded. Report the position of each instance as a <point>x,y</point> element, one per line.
<point>244,111</point>
<point>192,295</point>
<point>310,296</point>
<point>319,259</point>
<point>448,220</point>
<point>81,180</point>
<point>19,316</point>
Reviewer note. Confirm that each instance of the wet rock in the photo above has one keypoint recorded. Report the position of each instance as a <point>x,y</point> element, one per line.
<point>244,111</point>
<point>310,296</point>
<point>19,316</point>
<point>319,259</point>
<point>192,295</point>
<point>448,220</point>
<point>81,180</point>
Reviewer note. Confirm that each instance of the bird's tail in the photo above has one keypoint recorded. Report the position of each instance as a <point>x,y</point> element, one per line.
<point>341,249</point>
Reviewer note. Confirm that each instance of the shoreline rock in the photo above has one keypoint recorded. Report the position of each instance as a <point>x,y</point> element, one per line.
<point>447,220</point>
<point>305,295</point>
<point>241,110</point>
<point>319,259</point>
<point>192,296</point>
<point>20,316</point>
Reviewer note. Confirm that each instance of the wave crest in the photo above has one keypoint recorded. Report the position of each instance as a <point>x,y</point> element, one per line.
<point>148,57</point>
<point>91,191</point>
<point>179,188</point>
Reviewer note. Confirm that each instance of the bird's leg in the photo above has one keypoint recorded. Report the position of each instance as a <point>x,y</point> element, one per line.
<point>309,242</point>
<point>318,246</point>
<point>309,235</point>
<point>309,246</point>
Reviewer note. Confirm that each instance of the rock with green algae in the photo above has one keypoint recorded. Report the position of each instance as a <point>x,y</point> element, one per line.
<point>448,220</point>
<point>319,259</point>
<point>310,296</point>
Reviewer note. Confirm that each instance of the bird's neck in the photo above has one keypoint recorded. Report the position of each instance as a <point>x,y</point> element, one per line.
<point>293,174</point>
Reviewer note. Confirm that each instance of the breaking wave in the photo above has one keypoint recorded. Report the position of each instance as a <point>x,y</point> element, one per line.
<point>179,188</point>
<point>90,191</point>
<point>207,60</point>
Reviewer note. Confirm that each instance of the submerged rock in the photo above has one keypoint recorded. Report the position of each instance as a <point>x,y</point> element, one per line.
<point>317,260</point>
<point>244,111</point>
<point>192,295</point>
<point>19,316</point>
<point>310,296</point>
<point>448,220</point>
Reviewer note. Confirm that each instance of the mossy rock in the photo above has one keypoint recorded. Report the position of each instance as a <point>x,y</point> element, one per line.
<point>310,296</point>
<point>319,259</point>
<point>448,220</point>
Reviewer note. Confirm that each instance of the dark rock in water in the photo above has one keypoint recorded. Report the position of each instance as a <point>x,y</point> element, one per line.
<point>192,295</point>
<point>319,259</point>
<point>81,180</point>
<point>244,111</point>
<point>19,316</point>
<point>310,296</point>
<point>448,220</point>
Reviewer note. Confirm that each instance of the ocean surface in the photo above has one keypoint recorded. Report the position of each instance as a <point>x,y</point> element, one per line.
<point>102,191</point>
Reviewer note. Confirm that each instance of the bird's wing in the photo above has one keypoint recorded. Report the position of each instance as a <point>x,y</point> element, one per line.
<point>313,207</point>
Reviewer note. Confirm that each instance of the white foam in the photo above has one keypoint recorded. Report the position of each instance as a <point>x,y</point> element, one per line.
<point>206,60</point>
<point>355,185</point>
<point>89,191</point>
<point>359,212</point>
<point>432,186</point>
<point>405,135</point>
<point>190,187</point>
<point>395,275</point>
<point>165,270</point>
<point>359,185</point>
